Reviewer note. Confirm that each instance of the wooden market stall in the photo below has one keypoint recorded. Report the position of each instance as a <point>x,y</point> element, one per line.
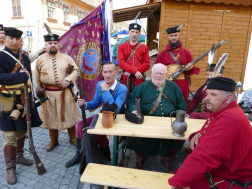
<point>207,22</point>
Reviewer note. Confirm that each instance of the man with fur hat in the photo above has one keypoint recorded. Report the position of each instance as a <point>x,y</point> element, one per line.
<point>60,111</point>
<point>199,96</point>
<point>174,57</point>
<point>133,57</point>
<point>158,97</point>
<point>12,79</point>
<point>107,91</point>
<point>2,37</point>
<point>222,149</point>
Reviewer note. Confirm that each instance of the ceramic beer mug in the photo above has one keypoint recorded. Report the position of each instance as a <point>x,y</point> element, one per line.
<point>107,119</point>
<point>179,126</point>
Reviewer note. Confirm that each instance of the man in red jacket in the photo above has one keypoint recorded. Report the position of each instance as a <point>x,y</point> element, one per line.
<point>133,57</point>
<point>199,96</point>
<point>181,56</point>
<point>222,148</point>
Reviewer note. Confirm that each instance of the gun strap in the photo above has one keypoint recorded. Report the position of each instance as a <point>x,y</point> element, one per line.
<point>180,66</point>
<point>211,181</point>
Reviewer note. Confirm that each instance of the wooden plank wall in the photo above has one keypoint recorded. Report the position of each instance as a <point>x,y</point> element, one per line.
<point>152,30</point>
<point>207,24</point>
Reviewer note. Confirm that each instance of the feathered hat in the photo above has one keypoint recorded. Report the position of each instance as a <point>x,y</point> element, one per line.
<point>211,65</point>
<point>50,36</point>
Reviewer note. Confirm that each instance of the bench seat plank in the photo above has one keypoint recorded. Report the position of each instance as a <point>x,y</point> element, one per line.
<point>122,177</point>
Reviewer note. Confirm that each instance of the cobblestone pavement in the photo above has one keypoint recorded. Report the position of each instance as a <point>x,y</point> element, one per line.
<point>57,176</point>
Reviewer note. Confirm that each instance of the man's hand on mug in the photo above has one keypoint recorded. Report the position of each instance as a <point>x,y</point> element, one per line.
<point>81,102</point>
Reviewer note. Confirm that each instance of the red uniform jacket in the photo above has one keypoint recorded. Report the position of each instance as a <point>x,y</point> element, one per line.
<point>198,98</point>
<point>224,149</point>
<point>184,58</point>
<point>132,66</point>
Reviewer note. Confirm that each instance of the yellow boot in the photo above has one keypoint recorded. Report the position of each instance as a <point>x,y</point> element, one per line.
<point>54,139</point>
<point>72,135</point>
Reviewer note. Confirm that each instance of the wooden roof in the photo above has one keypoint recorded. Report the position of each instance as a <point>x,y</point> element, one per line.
<point>227,2</point>
<point>130,13</point>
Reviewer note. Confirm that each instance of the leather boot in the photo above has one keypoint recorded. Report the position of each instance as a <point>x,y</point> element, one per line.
<point>10,160</point>
<point>106,152</point>
<point>72,135</point>
<point>167,161</point>
<point>140,160</point>
<point>54,139</point>
<point>77,158</point>
<point>20,159</point>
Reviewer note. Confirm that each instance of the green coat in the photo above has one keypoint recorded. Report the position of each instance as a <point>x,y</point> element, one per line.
<point>148,93</point>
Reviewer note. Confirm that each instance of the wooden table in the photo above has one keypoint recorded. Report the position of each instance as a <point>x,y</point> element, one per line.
<point>152,127</point>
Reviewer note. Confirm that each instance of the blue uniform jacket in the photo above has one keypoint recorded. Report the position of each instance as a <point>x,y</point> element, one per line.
<point>7,64</point>
<point>100,98</point>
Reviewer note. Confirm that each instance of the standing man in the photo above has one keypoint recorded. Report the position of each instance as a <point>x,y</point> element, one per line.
<point>223,147</point>
<point>2,37</point>
<point>12,79</point>
<point>199,96</point>
<point>133,57</point>
<point>158,97</point>
<point>174,57</point>
<point>110,91</point>
<point>60,111</point>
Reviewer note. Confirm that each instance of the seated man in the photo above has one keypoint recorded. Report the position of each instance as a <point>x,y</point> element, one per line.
<point>165,96</point>
<point>199,96</point>
<point>223,147</point>
<point>108,90</point>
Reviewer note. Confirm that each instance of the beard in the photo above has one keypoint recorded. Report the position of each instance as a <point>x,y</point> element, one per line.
<point>53,51</point>
<point>174,45</point>
<point>209,105</point>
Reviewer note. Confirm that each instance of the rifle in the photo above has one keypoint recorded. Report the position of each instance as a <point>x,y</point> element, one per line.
<point>40,167</point>
<point>84,121</point>
<point>183,69</point>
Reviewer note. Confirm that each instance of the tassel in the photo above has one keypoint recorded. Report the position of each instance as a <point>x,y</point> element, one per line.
<point>106,54</point>
<point>74,44</point>
<point>101,28</point>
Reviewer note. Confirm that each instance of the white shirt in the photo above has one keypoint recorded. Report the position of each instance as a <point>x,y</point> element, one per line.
<point>112,87</point>
<point>2,47</point>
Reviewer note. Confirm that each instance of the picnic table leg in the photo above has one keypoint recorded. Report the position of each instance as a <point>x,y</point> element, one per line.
<point>115,148</point>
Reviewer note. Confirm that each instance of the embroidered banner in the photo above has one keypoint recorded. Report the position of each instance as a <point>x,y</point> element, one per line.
<point>83,43</point>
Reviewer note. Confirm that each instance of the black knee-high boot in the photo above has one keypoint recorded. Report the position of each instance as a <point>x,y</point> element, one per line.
<point>77,158</point>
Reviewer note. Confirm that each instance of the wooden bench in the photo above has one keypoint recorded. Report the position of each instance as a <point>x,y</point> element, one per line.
<point>122,177</point>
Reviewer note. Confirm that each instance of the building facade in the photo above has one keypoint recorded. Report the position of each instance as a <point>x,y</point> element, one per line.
<point>30,15</point>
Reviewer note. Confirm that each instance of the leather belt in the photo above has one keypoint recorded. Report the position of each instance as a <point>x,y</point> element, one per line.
<point>49,87</point>
<point>244,185</point>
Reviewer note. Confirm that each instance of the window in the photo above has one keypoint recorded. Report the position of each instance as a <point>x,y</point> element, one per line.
<point>80,15</point>
<point>66,13</point>
<point>51,9</point>
<point>16,8</point>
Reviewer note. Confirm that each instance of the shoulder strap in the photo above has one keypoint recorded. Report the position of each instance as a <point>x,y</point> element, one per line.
<point>13,71</point>
<point>14,58</point>
<point>175,59</point>
<point>158,100</point>
<point>132,51</point>
<point>115,89</point>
